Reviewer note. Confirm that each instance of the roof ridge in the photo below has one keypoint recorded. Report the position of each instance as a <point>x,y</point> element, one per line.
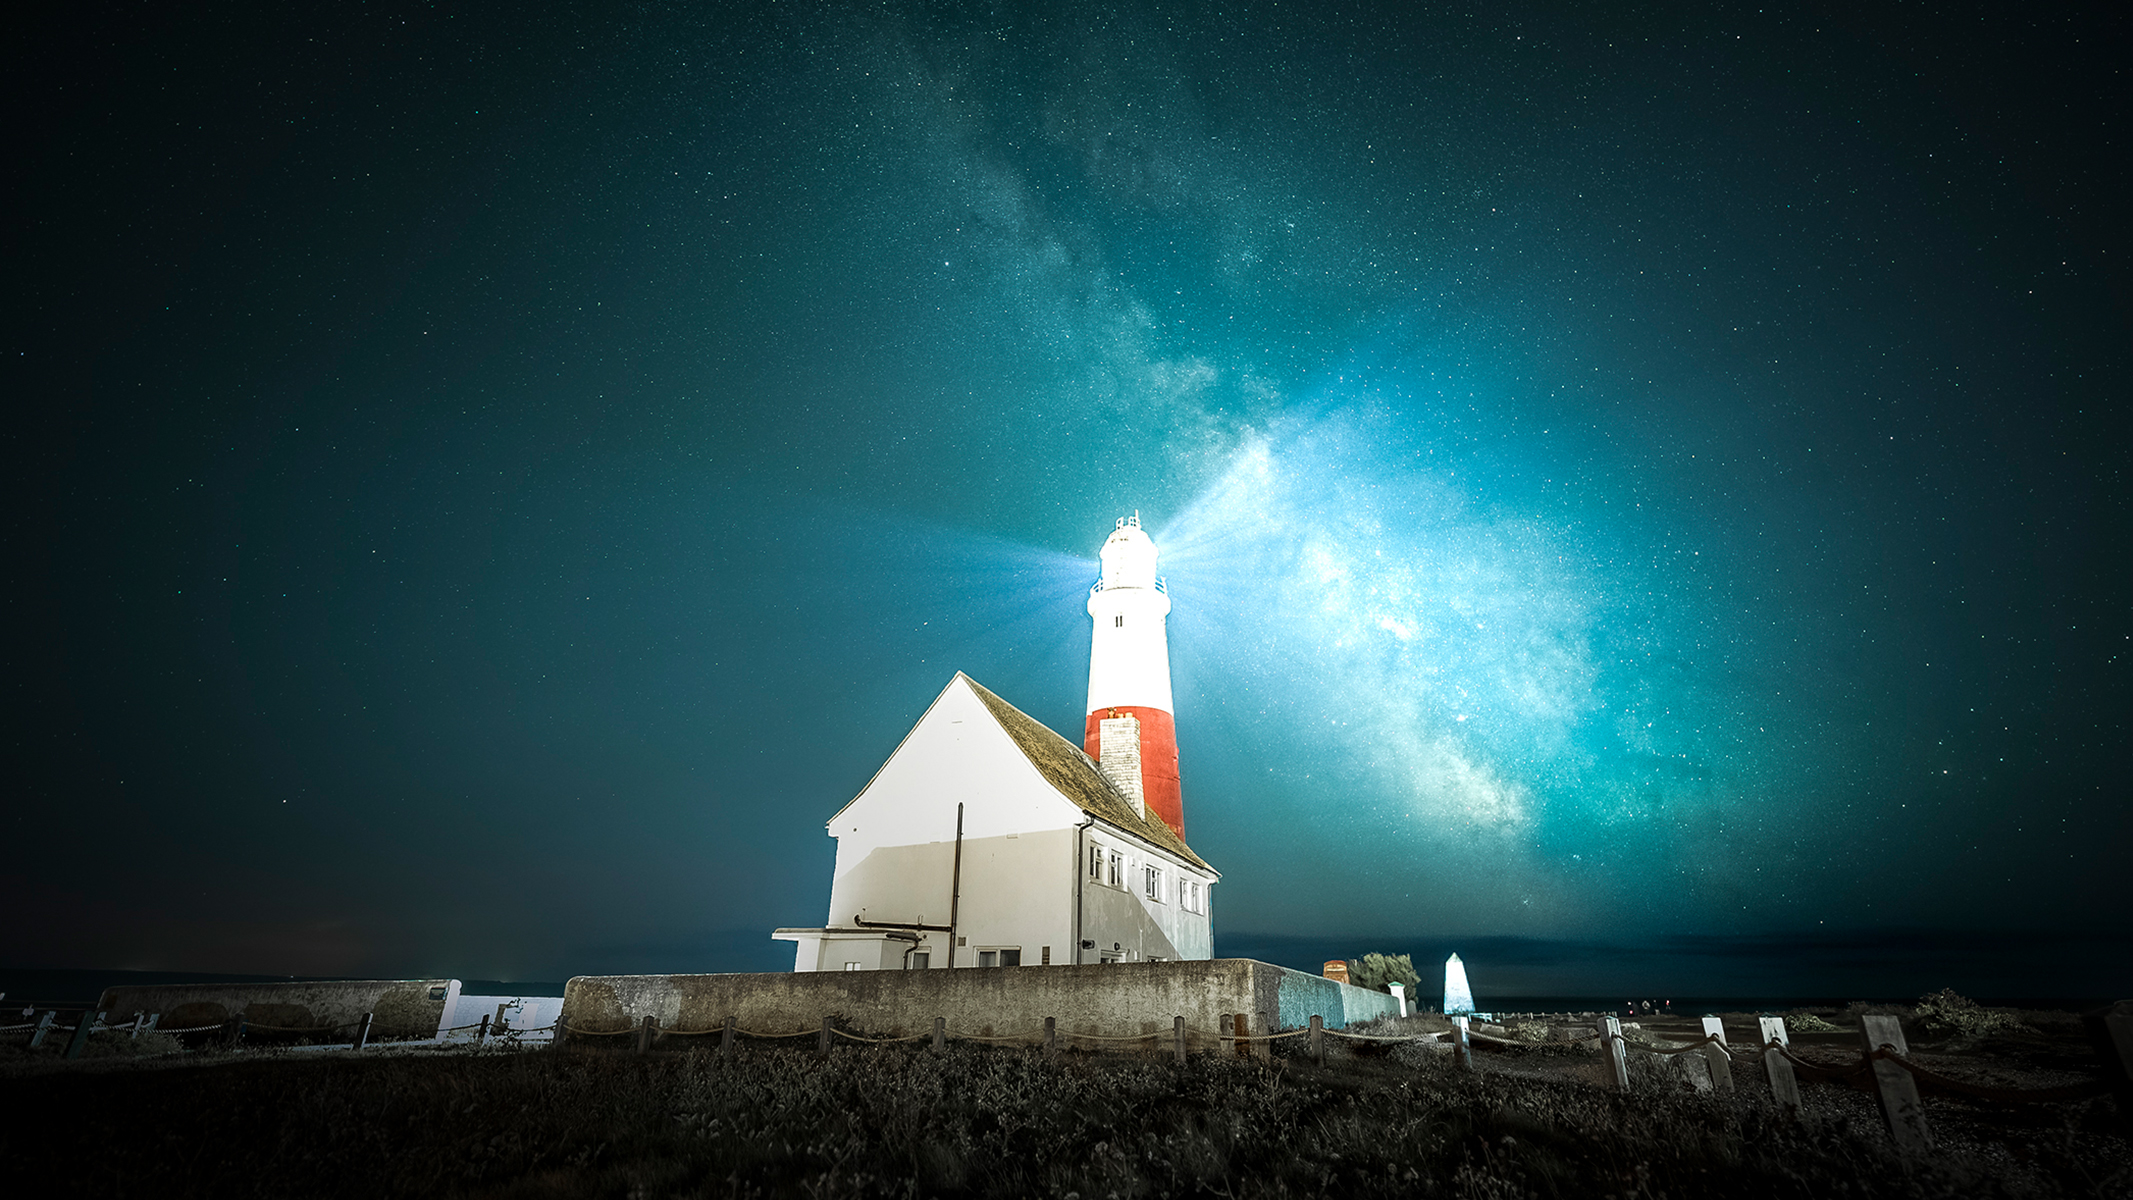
<point>1073,774</point>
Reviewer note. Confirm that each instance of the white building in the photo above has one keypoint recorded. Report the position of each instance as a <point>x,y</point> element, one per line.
<point>989,840</point>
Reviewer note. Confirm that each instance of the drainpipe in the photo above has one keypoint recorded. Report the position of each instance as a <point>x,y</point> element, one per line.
<point>1081,881</point>
<point>955,889</point>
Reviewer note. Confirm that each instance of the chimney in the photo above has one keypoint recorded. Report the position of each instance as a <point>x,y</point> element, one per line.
<point>1119,749</point>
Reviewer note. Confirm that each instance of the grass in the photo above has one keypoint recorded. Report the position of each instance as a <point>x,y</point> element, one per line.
<point>780,1120</point>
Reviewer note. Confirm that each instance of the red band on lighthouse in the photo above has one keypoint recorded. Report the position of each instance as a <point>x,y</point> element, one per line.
<point>1159,759</point>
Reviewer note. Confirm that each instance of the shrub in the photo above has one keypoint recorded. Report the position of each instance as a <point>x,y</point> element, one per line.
<point>1376,971</point>
<point>1946,1012</point>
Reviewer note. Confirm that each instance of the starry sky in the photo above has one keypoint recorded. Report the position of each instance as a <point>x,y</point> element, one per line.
<point>1643,489</point>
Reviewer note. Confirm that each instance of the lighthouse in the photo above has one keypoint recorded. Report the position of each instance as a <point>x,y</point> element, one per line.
<point>1130,731</point>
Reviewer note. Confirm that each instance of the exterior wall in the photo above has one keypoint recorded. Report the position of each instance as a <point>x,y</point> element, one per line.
<point>1125,917</point>
<point>402,1008</point>
<point>1117,1001</point>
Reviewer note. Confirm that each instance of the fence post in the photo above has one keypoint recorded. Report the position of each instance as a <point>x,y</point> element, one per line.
<point>481,1036</point>
<point>1715,1056</point>
<point>82,1026</point>
<point>1617,1051</point>
<point>940,1033</point>
<point>1462,1046</point>
<point>1895,1087</point>
<point>644,1033</point>
<point>1240,1026</point>
<point>237,1031</point>
<point>1227,1033</point>
<point>1264,1048</point>
<point>1177,1034</point>
<point>1318,1039</point>
<point>824,1045</point>
<point>1051,1035</point>
<point>2111,1033</point>
<point>44,1026</point>
<point>562,1030</point>
<point>362,1037</point>
<point>1784,1085</point>
<point>153,1018</point>
<point>138,1018</point>
<point>725,1039</point>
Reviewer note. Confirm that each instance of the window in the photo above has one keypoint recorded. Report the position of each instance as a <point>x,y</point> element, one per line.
<point>1152,880</point>
<point>1012,957</point>
<point>1119,621</point>
<point>921,959</point>
<point>851,966</point>
<point>1047,956</point>
<point>1096,862</point>
<point>1004,956</point>
<point>1116,864</point>
<point>988,958</point>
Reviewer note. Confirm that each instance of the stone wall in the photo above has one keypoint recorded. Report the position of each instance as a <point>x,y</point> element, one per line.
<point>402,1008</point>
<point>1119,1000</point>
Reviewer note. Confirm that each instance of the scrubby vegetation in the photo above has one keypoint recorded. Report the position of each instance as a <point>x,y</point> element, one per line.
<point>1378,971</point>
<point>900,1121</point>
<point>1945,1013</point>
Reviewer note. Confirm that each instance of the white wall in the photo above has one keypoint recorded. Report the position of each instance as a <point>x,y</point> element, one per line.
<point>521,1012</point>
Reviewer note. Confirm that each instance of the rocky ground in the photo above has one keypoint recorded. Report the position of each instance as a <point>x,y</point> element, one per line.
<point>780,1119</point>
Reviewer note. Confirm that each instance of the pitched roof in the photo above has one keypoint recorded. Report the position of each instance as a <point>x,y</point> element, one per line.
<point>1066,768</point>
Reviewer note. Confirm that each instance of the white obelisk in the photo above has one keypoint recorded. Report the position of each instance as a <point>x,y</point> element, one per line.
<point>1458,997</point>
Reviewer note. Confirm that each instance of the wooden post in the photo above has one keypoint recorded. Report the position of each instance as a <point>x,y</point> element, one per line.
<point>1896,1088</point>
<point>1617,1051</point>
<point>481,1036</point>
<point>362,1037</point>
<point>562,1031</point>
<point>644,1033</point>
<point>1318,1039</point>
<point>1225,1032</point>
<point>237,1030</point>
<point>1715,1056</point>
<point>1263,1048</point>
<point>44,1026</point>
<point>2111,1033</point>
<point>82,1027</point>
<point>940,1033</point>
<point>138,1019</point>
<point>824,1044</point>
<point>1177,1035</point>
<point>1242,1028</point>
<point>725,1040</point>
<point>1462,1046</point>
<point>1784,1085</point>
<point>1051,1035</point>
<point>152,1019</point>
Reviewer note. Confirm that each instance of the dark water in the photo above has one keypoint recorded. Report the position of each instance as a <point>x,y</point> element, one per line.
<point>2057,969</point>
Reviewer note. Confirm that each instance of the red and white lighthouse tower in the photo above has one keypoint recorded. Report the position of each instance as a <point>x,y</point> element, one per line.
<point>1131,732</point>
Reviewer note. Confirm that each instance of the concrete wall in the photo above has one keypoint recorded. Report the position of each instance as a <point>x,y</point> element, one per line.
<point>403,1008</point>
<point>1118,1000</point>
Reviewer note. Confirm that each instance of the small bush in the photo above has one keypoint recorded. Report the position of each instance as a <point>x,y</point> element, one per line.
<point>1376,971</point>
<point>1945,1012</point>
<point>1807,1022</point>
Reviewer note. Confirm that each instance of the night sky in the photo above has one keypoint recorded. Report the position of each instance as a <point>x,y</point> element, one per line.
<point>486,483</point>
